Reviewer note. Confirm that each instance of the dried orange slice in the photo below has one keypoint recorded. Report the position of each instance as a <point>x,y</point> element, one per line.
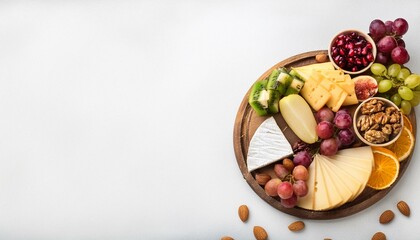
<point>407,123</point>
<point>385,170</point>
<point>404,144</point>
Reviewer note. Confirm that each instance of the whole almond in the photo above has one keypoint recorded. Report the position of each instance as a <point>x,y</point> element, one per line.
<point>260,233</point>
<point>379,236</point>
<point>386,217</point>
<point>296,226</point>
<point>243,212</point>
<point>226,238</point>
<point>404,208</point>
<point>321,57</point>
<point>262,178</point>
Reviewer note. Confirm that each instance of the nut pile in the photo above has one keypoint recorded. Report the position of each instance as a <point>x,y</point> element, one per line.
<point>378,123</point>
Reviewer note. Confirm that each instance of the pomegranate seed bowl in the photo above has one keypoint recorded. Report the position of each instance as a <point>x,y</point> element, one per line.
<point>352,51</point>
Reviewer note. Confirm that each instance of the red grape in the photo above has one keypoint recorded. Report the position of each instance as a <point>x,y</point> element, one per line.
<point>300,188</point>
<point>400,26</point>
<point>280,170</point>
<point>346,137</point>
<point>329,147</point>
<point>400,42</point>
<point>343,121</point>
<point>290,202</point>
<point>388,25</point>
<point>324,114</point>
<point>302,158</point>
<point>271,187</point>
<point>285,190</point>
<point>386,44</point>
<point>400,55</point>
<point>382,58</point>
<point>377,29</point>
<point>324,129</point>
<point>300,173</point>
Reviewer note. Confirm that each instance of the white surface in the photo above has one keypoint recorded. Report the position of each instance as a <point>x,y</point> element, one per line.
<point>117,116</point>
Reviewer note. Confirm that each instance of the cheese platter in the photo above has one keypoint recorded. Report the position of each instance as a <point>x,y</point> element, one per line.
<point>343,197</point>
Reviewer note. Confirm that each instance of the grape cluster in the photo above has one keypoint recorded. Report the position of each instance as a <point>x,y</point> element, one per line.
<point>334,130</point>
<point>398,84</point>
<point>289,183</point>
<point>388,38</point>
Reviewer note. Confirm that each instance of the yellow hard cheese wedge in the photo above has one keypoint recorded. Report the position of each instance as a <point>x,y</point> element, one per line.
<point>299,117</point>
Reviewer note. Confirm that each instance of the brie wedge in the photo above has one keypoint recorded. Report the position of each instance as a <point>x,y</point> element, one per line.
<point>267,145</point>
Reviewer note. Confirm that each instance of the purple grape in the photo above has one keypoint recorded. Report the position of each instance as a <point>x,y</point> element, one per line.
<point>400,42</point>
<point>329,147</point>
<point>300,188</point>
<point>388,25</point>
<point>346,137</point>
<point>377,29</point>
<point>290,202</point>
<point>280,171</point>
<point>400,55</point>
<point>324,129</point>
<point>324,114</point>
<point>382,58</point>
<point>343,121</point>
<point>341,111</point>
<point>303,158</point>
<point>400,26</point>
<point>386,44</point>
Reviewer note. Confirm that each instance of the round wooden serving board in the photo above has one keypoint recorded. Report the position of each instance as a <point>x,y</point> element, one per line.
<point>247,122</point>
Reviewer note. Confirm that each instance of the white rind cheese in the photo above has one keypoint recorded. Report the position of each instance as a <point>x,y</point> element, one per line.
<point>267,145</point>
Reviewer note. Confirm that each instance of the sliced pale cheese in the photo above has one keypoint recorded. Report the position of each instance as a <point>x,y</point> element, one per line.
<point>352,183</point>
<point>267,145</point>
<point>345,188</point>
<point>317,66</point>
<point>361,174</point>
<point>321,197</point>
<point>307,202</point>
<point>334,194</point>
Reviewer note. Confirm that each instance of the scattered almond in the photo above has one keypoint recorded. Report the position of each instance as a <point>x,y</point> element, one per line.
<point>321,57</point>
<point>243,212</point>
<point>260,233</point>
<point>262,178</point>
<point>296,226</point>
<point>386,217</point>
<point>379,236</point>
<point>226,238</point>
<point>404,208</point>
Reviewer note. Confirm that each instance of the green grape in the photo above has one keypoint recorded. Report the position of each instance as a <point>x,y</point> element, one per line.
<point>396,98</point>
<point>394,70</point>
<point>412,81</point>
<point>405,93</point>
<point>404,73</point>
<point>416,99</point>
<point>417,88</point>
<point>378,69</point>
<point>384,85</point>
<point>405,107</point>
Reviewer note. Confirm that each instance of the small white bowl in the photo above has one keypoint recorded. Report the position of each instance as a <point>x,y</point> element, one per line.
<point>359,134</point>
<point>346,54</point>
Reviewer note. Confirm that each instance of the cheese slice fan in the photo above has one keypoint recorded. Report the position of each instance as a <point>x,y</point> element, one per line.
<point>267,145</point>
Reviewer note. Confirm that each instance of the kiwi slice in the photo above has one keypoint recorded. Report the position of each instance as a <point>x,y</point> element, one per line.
<point>258,97</point>
<point>273,100</point>
<point>295,86</point>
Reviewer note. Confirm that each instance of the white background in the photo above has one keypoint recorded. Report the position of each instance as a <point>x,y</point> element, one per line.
<point>116,117</point>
